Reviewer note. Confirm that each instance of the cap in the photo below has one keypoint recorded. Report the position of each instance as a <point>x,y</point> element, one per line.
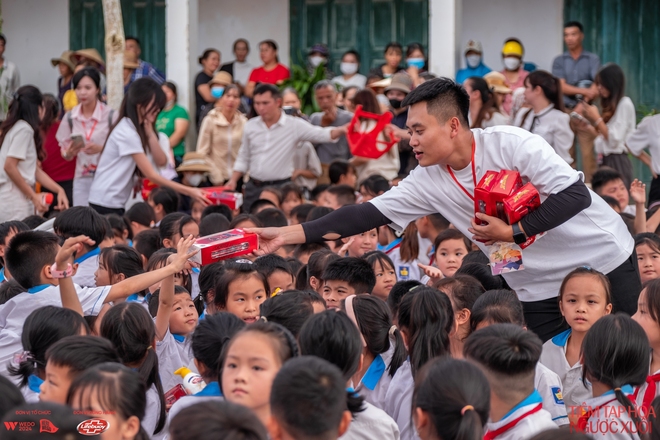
<point>320,48</point>
<point>473,45</point>
<point>497,82</point>
<point>222,78</point>
<point>402,82</point>
<point>512,48</point>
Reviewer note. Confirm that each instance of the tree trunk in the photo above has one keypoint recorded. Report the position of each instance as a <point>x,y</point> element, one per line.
<point>114,52</point>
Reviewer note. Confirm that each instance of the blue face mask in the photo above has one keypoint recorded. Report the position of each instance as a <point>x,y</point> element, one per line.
<point>217,92</point>
<point>417,62</point>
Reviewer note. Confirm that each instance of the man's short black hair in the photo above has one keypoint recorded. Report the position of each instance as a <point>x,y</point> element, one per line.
<point>213,223</point>
<point>574,23</point>
<point>82,220</point>
<point>268,88</point>
<point>603,176</point>
<point>337,169</point>
<point>130,37</point>
<point>218,209</point>
<point>355,271</point>
<point>28,253</point>
<point>166,197</point>
<point>272,217</point>
<point>444,99</point>
<point>308,398</point>
<point>344,193</point>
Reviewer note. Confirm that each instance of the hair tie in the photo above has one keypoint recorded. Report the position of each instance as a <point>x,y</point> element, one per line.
<point>21,357</point>
<point>392,330</point>
<point>149,348</point>
<point>617,389</point>
<point>263,318</point>
<point>466,408</point>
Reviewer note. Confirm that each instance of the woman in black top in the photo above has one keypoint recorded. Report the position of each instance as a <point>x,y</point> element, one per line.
<point>210,61</point>
<point>393,56</point>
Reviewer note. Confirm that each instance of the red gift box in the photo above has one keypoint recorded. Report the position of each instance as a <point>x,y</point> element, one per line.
<point>367,144</point>
<point>482,202</point>
<point>521,203</point>
<point>220,195</point>
<point>506,183</point>
<point>224,245</point>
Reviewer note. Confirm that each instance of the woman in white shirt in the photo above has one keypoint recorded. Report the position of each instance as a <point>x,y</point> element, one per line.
<point>350,64</point>
<point>126,151</point>
<point>546,117</point>
<point>21,148</point>
<point>484,111</point>
<point>616,122</point>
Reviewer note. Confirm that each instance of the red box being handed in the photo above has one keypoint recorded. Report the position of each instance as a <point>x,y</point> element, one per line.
<point>482,195</point>
<point>224,245</point>
<point>521,203</point>
<point>220,195</point>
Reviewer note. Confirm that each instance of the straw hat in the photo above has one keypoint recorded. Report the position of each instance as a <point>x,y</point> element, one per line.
<point>382,83</point>
<point>222,78</point>
<point>194,162</point>
<point>130,60</point>
<point>401,82</point>
<point>90,54</point>
<point>64,59</point>
<point>496,82</point>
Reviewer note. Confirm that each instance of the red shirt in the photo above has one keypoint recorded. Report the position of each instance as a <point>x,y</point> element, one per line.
<point>261,75</point>
<point>54,165</point>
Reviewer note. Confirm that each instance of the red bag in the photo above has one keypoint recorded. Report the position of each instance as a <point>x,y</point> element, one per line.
<point>367,144</point>
<point>147,187</point>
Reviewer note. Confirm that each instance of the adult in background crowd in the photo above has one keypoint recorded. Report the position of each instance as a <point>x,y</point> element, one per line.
<point>144,68</point>
<point>9,80</point>
<point>269,142</point>
<point>474,61</point>
<point>318,56</point>
<point>210,60</point>
<point>393,55</point>
<point>415,62</point>
<point>396,92</point>
<point>90,58</point>
<point>329,116</point>
<point>349,67</point>
<point>271,72</point>
<point>130,65</point>
<point>484,111</point>
<point>240,68</point>
<point>64,82</point>
<point>512,56</point>
<point>576,69</point>
<point>174,121</point>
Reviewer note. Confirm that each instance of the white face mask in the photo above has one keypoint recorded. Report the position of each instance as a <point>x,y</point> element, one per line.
<point>348,68</point>
<point>195,179</point>
<point>511,63</point>
<point>316,60</point>
<point>473,60</point>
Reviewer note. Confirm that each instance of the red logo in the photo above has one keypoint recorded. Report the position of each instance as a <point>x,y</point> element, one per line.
<point>93,427</point>
<point>10,426</point>
<point>47,426</point>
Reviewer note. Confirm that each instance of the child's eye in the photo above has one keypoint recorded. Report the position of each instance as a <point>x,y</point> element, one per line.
<point>177,308</point>
<point>231,365</point>
<point>257,368</point>
<point>591,301</point>
<point>239,300</point>
<point>571,301</point>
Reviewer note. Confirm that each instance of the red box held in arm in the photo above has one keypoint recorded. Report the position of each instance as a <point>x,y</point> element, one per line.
<point>482,202</point>
<point>224,245</point>
<point>501,194</point>
<point>521,203</point>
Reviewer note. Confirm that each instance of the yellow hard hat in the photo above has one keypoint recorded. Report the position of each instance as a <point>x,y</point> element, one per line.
<point>512,48</point>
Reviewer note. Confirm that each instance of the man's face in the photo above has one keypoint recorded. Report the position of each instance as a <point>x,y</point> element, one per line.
<point>325,97</point>
<point>266,106</point>
<point>430,140</point>
<point>573,37</point>
<point>133,47</point>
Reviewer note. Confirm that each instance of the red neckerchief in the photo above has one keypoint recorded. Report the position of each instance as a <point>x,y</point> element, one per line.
<point>584,418</point>
<point>649,394</point>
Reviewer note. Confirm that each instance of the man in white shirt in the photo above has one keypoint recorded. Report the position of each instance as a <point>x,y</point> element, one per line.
<point>580,228</point>
<point>269,143</point>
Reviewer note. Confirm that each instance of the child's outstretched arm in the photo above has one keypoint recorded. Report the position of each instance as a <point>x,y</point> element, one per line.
<point>63,259</point>
<point>165,303</point>
<point>140,282</point>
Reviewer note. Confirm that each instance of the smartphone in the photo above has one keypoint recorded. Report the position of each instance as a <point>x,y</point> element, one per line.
<point>77,139</point>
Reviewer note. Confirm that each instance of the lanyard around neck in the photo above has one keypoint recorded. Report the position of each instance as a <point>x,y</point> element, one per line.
<point>474,174</point>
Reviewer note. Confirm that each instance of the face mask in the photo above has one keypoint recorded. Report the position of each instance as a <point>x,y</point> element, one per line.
<point>348,68</point>
<point>316,60</point>
<point>511,63</point>
<point>473,60</point>
<point>217,92</point>
<point>416,62</point>
<point>395,103</point>
<point>195,179</point>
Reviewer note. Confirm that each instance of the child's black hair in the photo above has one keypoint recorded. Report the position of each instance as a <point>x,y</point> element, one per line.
<point>60,424</point>
<point>317,212</point>
<point>261,204</point>
<point>109,233</point>
<point>79,353</point>
<point>81,220</point>
<point>155,297</point>
<point>11,396</point>
<point>208,279</point>
<point>221,209</point>
<point>117,389</point>
<point>10,289</point>
<point>12,226</point>
<point>212,419</point>
<point>272,218</point>
<point>169,225</point>
<point>373,257</point>
<point>375,185</point>
<point>438,221</point>
<point>615,352</point>
<point>603,176</point>
<point>427,317</point>
<point>147,242</point>
<point>600,278</point>
<point>375,323</point>
<point>463,289</point>
<point>334,337</point>
<point>318,261</point>
<point>295,265</point>
<point>482,274</point>
<point>337,169</point>
<point>32,221</point>
<point>497,307</point>
<point>141,213</point>
<point>166,197</point>
<point>184,221</point>
<point>308,398</point>
<point>244,217</point>
<point>28,253</point>
<point>120,225</point>
<point>614,203</point>
<point>317,191</point>
<point>345,194</point>
<point>476,257</point>
<point>270,263</point>
<point>235,271</point>
<point>121,259</point>
<point>308,249</point>
<point>211,335</point>
<point>398,291</point>
<point>291,188</point>
<point>447,387</point>
<point>649,239</point>
<point>132,331</point>
<point>301,212</point>
<point>43,328</point>
<point>290,309</point>
<point>451,234</point>
<point>354,271</point>
<point>212,224</point>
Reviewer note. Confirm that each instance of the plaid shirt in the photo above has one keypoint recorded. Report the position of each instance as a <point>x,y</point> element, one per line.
<point>147,70</point>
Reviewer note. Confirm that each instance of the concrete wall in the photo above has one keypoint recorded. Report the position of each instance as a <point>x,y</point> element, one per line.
<point>36,31</point>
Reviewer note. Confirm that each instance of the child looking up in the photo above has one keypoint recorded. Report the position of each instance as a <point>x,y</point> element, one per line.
<point>450,248</point>
<point>241,290</point>
<point>345,277</point>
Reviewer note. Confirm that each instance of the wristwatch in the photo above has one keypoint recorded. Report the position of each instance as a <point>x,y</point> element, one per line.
<point>58,274</point>
<point>518,234</point>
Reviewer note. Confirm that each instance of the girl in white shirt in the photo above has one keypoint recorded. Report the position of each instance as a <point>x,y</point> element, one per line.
<point>21,148</point>
<point>648,316</point>
<point>617,121</point>
<point>546,117</point>
<point>350,64</point>
<point>126,150</point>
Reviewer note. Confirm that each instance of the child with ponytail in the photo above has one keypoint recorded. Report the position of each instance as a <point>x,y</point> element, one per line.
<point>648,316</point>
<point>117,263</point>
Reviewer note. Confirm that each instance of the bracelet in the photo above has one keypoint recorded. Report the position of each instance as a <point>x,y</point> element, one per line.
<point>595,124</point>
<point>58,274</point>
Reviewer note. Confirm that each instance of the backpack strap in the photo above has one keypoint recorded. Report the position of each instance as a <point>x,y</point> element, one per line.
<point>69,119</point>
<point>110,115</point>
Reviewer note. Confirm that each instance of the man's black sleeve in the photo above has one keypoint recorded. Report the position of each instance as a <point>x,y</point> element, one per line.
<point>557,209</point>
<point>347,221</point>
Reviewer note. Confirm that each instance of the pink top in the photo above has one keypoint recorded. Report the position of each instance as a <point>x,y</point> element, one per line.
<point>508,98</point>
<point>93,130</point>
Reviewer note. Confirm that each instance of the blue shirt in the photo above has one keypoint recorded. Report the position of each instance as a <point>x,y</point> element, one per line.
<point>479,71</point>
<point>148,70</point>
<point>211,389</point>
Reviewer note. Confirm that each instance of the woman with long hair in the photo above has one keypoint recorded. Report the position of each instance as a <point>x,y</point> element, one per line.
<point>174,121</point>
<point>210,61</point>
<point>484,111</point>
<point>21,148</point>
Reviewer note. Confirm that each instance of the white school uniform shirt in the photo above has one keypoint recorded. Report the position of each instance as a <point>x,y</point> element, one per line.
<point>370,424</point>
<point>113,180</point>
<point>552,125</point>
<point>203,396</point>
<point>600,238</point>
<point>14,312</point>
<point>639,391</point>
<point>528,426</point>
<point>151,415</point>
<point>376,380</point>
<point>548,384</point>
<point>611,421</point>
<point>620,125</point>
<point>405,270</point>
<point>174,352</point>
<point>553,356</point>
<point>398,401</point>
<point>647,135</point>
<point>87,266</point>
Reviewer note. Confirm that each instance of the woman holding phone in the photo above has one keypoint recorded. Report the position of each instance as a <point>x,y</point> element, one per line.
<point>83,131</point>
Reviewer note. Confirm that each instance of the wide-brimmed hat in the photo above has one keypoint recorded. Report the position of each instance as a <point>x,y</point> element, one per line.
<point>401,82</point>
<point>497,82</point>
<point>90,54</point>
<point>64,59</point>
<point>130,60</point>
<point>222,78</point>
<point>194,162</point>
<point>382,83</point>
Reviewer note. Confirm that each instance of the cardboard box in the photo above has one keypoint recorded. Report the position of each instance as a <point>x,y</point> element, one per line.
<point>224,245</point>
<point>482,195</point>
<point>521,203</point>
<point>220,195</point>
